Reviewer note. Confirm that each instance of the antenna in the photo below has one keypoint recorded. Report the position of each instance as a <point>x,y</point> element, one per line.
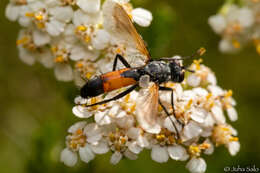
<point>199,52</point>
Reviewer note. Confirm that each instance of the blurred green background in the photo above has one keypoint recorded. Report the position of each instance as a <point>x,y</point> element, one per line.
<point>35,109</point>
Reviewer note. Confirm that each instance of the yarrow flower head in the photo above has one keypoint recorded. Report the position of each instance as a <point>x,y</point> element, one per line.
<point>237,24</point>
<point>201,107</point>
<point>79,38</point>
<point>71,36</point>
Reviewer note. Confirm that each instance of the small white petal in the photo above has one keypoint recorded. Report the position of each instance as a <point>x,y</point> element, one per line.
<point>211,78</point>
<point>79,52</point>
<point>217,23</point>
<point>12,12</point>
<point>93,133</point>
<point>80,100</point>
<point>233,147</point>
<point>125,122</point>
<point>215,90</point>
<point>55,27</point>
<point>63,72</point>
<point>86,154</point>
<point>218,114</point>
<point>114,110</point>
<point>209,150</point>
<point>81,112</point>
<point>232,113</point>
<point>130,155</point>
<point>133,133</point>
<point>193,80</point>
<point>226,46</point>
<point>68,157</point>
<point>76,126</point>
<point>142,17</point>
<point>121,114</point>
<point>46,59</point>
<point>24,21</point>
<point>159,154</point>
<point>100,148</point>
<point>178,153</point>
<point>196,165</point>
<point>134,147</point>
<point>209,121</point>
<point>201,92</point>
<point>40,38</point>
<point>169,123</point>
<point>101,39</point>
<point>101,118</point>
<point>63,14</point>
<point>143,141</point>
<point>81,18</point>
<point>191,130</point>
<point>246,17</point>
<point>26,56</point>
<point>198,114</point>
<point>89,6</point>
<point>115,158</point>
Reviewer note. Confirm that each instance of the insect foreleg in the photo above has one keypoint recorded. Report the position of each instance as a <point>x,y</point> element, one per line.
<point>122,59</point>
<point>168,114</point>
<point>172,102</point>
<point>116,97</point>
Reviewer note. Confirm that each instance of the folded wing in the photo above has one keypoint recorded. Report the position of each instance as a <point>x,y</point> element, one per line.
<point>147,109</point>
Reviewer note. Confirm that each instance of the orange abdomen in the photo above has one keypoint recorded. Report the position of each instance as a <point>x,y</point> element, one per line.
<point>114,80</point>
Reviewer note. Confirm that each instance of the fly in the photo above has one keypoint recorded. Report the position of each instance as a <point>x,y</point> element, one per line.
<point>159,72</point>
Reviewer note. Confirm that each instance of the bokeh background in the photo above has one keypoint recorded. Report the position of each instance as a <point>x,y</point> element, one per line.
<point>35,109</point>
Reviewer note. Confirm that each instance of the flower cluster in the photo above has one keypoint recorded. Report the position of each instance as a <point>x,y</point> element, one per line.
<point>71,36</point>
<point>78,38</point>
<point>238,24</point>
<point>200,106</point>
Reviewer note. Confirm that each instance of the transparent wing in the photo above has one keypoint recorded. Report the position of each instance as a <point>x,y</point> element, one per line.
<point>123,32</point>
<point>147,109</point>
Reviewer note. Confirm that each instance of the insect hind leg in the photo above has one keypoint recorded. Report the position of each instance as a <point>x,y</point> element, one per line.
<point>172,102</point>
<point>168,114</point>
<point>122,94</point>
<point>122,59</point>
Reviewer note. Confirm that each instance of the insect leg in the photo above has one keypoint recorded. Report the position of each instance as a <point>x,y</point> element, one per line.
<point>122,59</point>
<point>168,114</point>
<point>172,102</point>
<point>116,97</point>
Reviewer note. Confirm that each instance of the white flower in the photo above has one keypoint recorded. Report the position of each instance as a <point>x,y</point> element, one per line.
<point>225,45</point>
<point>81,112</point>
<point>198,114</point>
<point>100,148</point>
<point>233,147</point>
<point>193,80</point>
<point>116,157</point>
<point>63,72</point>
<point>232,113</point>
<point>218,114</point>
<point>100,39</point>
<point>93,133</point>
<point>86,154</point>
<point>159,154</point>
<point>218,23</point>
<point>142,17</point>
<point>178,153</point>
<point>191,130</point>
<point>89,6</point>
<point>68,157</point>
<point>196,165</point>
